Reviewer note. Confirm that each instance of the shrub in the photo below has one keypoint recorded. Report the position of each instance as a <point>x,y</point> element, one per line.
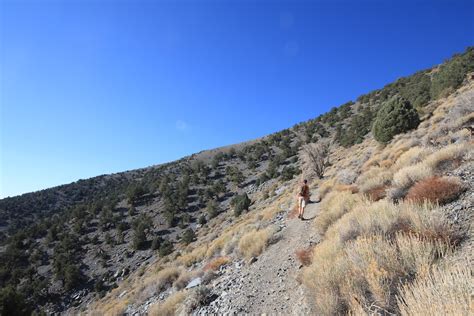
<point>192,257</point>
<point>305,256</point>
<point>451,74</point>
<point>410,157</point>
<point>394,117</point>
<point>317,157</point>
<point>166,248</point>
<point>333,207</point>
<point>406,177</point>
<point>375,177</point>
<point>135,192</point>
<point>447,157</point>
<point>346,176</point>
<point>13,303</point>
<point>254,242</point>
<point>364,275</point>
<point>183,280</point>
<point>202,220</point>
<point>325,188</point>
<point>345,187</point>
<point>156,243</point>
<point>139,236</point>
<point>212,209</point>
<point>166,277</point>
<point>359,125</point>
<point>240,203</point>
<point>200,296</point>
<point>188,236</point>
<point>288,173</point>
<point>445,291</point>
<point>377,193</point>
<point>436,190</point>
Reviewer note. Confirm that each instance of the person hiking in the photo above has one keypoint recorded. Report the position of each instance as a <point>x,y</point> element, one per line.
<point>303,198</point>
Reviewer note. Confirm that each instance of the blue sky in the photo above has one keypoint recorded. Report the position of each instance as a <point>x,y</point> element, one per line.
<point>95,87</point>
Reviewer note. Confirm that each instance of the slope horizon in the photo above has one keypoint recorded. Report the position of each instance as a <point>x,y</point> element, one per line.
<point>2,196</point>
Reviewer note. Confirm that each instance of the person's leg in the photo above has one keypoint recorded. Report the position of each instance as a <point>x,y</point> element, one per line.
<point>300,206</point>
<point>303,205</point>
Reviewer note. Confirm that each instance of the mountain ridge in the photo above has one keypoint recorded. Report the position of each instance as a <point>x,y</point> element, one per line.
<point>68,245</point>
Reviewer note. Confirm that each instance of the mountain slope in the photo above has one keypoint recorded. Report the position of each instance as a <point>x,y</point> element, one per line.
<point>135,230</point>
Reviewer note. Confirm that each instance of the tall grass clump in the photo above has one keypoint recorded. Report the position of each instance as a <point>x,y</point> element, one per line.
<point>335,205</point>
<point>375,177</point>
<point>445,291</point>
<point>448,157</point>
<point>373,250</point>
<point>412,156</point>
<point>253,243</point>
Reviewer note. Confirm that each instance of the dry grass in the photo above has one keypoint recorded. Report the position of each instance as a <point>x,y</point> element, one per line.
<point>406,177</point>
<point>436,190</point>
<point>373,178</point>
<point>326,187</point>
<point>305,256</point>
<point>269,213</point>
<point>335,205</point>
<point>155,283</point>
<point>183,280</point>
<point>218,244</point>
<point>216,263</point>
<point>386,164</point>
<point>448,157</point>
<point>324,276</point>
<point>346,187</point>
<point>254,242</point>
<point>169,306</point>
<point>413,156</point>
<point>196,255</point>
<point>371,251</point>
<point>445,291</point>
<point>368,271</point>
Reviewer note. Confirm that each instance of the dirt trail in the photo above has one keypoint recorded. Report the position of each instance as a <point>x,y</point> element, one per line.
<point>269,285</point>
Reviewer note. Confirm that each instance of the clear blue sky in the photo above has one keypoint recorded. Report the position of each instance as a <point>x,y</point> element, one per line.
<point>94,87</point>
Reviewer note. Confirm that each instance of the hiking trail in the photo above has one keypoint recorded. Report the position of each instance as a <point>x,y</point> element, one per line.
<point>269,285</point>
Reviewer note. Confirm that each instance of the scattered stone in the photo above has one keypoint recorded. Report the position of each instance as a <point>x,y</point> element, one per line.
<point>194,282</point>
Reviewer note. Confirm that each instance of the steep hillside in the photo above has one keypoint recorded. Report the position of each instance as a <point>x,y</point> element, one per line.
<point>131,242</point>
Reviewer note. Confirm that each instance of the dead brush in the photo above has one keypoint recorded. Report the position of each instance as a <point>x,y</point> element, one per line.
<point>305,256</point>
<point>377,193</point>
<point>216,263</point>
<point>440,190</point>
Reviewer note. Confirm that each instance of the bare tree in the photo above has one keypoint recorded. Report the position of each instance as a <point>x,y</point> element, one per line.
<point>316,157</point>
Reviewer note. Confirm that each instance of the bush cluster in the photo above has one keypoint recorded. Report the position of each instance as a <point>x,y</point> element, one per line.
<point>395,116</point>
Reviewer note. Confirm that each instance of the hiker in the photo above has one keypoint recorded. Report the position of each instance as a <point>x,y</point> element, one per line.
<point>303,198</point>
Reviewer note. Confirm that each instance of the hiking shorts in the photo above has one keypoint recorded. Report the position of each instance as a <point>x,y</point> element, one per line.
<point>302,201</point>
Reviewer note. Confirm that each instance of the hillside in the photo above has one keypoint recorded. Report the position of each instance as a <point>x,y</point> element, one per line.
<point>131,242</point>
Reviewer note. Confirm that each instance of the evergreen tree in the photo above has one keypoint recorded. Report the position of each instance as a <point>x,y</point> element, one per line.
<point>396,116</point>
